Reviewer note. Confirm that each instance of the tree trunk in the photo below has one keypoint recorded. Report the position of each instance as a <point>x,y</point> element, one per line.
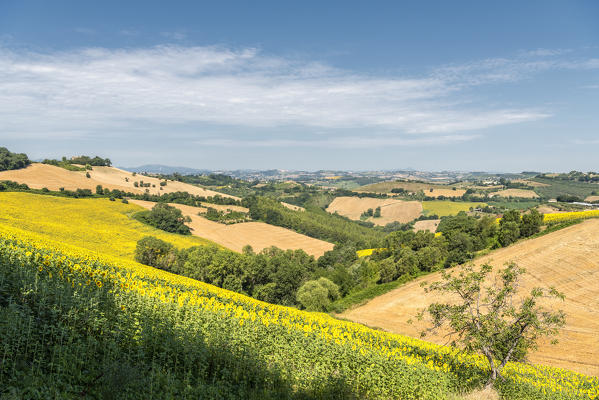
<point>492,378</point>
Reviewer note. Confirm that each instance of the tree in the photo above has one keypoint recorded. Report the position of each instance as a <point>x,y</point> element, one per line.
<point>489,318</point>
<point>531,223</point>
<point>509,232</point>
<point>99,190</point>
<point>377,212</point>
<point>316,295</point>
<point>165,217</point>
<point>155,252</point>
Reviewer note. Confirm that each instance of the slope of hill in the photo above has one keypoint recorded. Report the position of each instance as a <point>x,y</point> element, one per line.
<point>38,176</point>
<point>567,259</point>
<point>391,210</point>
<point>429,189</point>
<point>105,328</point>
<point>98,225</point>
<point>259,235</point>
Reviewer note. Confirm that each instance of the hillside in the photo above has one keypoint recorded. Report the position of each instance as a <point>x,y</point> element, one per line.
<point>259,235</point>
<point>97,225</point>
<point>566,258</point>
<point>153,334</point>
<point>38,176</point>
<point>391,209</point>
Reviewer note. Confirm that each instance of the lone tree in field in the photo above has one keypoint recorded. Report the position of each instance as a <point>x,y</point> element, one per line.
<point>487,317</point>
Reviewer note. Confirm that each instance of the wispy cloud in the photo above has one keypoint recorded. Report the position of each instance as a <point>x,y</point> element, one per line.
<point>350,142</point>
<point>94,90</point>
<point>585,141</point>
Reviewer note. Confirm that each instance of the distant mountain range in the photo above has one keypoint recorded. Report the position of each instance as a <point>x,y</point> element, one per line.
<point>165,169</point>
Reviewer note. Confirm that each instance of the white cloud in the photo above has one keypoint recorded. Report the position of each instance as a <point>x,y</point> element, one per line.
<point>93,90</point>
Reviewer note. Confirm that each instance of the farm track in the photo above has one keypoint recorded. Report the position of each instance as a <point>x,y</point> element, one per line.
<point>257,234</point>
<point>567,259</point>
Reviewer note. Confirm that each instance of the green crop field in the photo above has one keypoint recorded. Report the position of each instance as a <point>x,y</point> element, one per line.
<point>443,208</point>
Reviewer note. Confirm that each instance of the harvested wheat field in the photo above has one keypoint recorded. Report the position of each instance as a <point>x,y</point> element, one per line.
<point>592,198</point>
<point>391,209</point>
<point>257,234</point>
<point>39,176</point>
<point>530,183</point>
<point>427,225</point>
<point>567,259</point>
<point>524,193</point>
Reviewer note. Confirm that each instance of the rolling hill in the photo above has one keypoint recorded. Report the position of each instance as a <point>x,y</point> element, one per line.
<point>567,259</point>
<point>38,176</point>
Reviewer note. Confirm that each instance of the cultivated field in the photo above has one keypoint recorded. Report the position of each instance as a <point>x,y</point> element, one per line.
<point>566,259</point>
<point>99,225</point>
<point>592,198</point>
<point>443,208</point>
<point>427,225</point>
<point>39,176</point>
<point>391,209</point>
<point>430,190</point>
<point>524,193</point>
<point>257,234</point>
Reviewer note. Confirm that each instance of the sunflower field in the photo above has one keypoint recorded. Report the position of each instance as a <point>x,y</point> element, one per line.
<point>77,324</point>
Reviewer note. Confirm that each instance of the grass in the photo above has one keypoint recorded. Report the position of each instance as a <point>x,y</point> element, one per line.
<point>98,225</point>
<point>443,208</point>
<point>515,205</point>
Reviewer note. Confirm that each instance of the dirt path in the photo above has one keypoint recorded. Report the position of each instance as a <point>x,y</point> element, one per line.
<point>567,259</point>
<point>257,234</point>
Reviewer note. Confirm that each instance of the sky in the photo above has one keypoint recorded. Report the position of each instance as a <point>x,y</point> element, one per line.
<point>347,85</point>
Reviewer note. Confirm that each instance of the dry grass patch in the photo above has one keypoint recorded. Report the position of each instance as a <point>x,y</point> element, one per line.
<point>427,225</point>
<point>524,193</point>
<point>391,209</point>
<point>592,198</point>
<point>257,234</point>
<point>293,207</point>
<point>566,259</point>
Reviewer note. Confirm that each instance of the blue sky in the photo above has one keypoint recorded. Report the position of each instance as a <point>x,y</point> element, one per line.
<point>503,86</point>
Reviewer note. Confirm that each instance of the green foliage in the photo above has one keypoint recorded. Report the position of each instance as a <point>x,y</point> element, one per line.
<point>10,160</point>
<point>158,253</point>
<point>557,187</point>
<point>165,217</point>
<point>318,294</point>
<point>488,318</point>
<point>531,223</point>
